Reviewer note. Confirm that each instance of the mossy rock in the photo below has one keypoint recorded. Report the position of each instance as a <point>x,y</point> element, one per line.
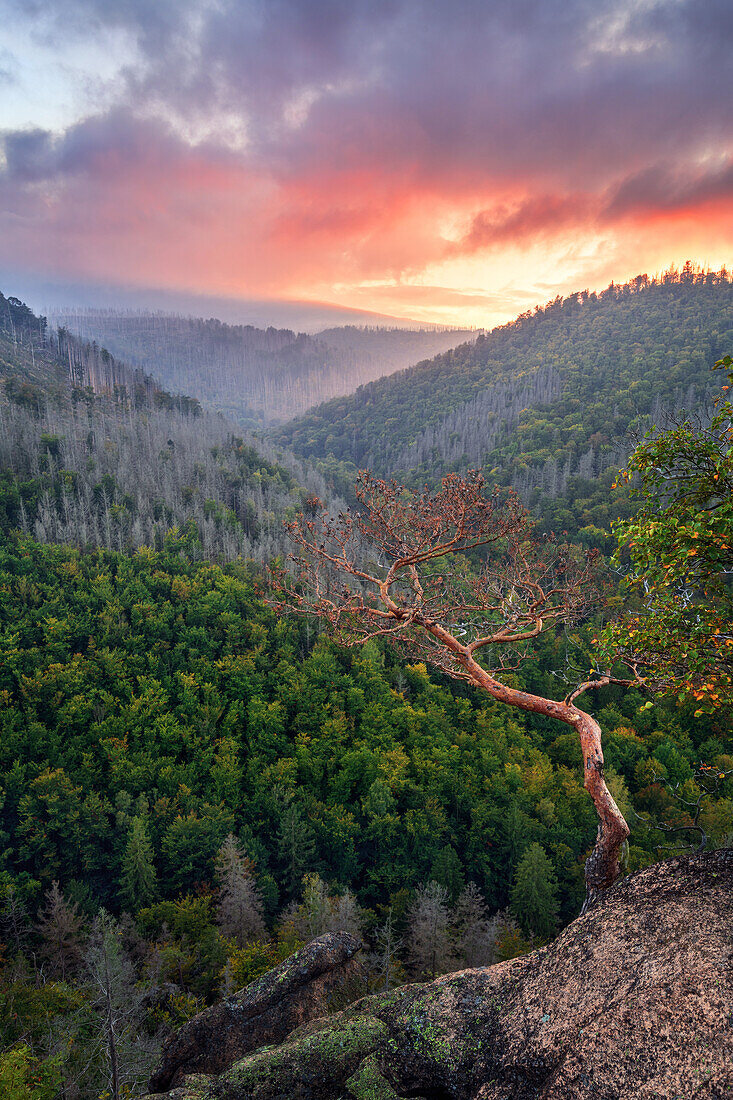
<point>197,1086</point>
<point>369,1083</point>
<point>327,1051</point>
<point>631,1000</point>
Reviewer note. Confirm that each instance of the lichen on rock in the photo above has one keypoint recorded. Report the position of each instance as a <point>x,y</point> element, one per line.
<point>309,1056</point>
<point>369,1083</point>
<point>633,1001</point>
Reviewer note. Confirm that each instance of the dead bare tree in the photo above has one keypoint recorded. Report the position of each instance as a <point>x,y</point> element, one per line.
<point>690,799</point>
<point>398,567</point>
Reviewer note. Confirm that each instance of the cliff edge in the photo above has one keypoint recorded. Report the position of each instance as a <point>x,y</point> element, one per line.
<point>632,1001</point>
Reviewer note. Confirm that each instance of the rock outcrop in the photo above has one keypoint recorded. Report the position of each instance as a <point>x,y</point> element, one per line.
<point>633,1001</point>
<point>299,990</point>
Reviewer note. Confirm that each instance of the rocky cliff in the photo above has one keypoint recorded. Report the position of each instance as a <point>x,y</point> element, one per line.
<point>303,988</point>
<point>633,1001</point>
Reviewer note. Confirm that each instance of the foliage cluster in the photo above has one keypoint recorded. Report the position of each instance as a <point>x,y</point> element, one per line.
<point>679,546</point>
<point>157,686</point>
<point>153,706</point>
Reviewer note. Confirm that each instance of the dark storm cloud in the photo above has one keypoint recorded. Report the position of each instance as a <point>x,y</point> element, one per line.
<point>539,90</point>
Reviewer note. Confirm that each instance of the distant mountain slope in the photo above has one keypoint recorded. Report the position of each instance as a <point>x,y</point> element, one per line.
<point>96,453</point>
<point>25,352</point>
<point>542,401</point>
<point>255,375</point>
<point>60,363</point>
<point>302,315</point>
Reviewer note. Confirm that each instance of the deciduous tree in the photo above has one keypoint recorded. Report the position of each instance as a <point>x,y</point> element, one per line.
<point>398,568</point>
<point>680,550</point>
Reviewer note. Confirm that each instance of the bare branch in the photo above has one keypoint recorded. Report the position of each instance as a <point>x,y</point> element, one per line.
<point>404,567</point>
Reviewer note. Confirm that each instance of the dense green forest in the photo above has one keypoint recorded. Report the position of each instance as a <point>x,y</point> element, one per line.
<point>153,706</point>
<point>549,404</point>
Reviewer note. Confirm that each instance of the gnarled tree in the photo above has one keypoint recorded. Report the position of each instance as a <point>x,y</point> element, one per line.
<point>398,567</point>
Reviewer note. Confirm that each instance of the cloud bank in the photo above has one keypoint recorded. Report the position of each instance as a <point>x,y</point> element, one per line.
<point>352,151</point>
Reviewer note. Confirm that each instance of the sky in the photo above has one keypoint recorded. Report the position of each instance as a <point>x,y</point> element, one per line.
<point>452,161</point>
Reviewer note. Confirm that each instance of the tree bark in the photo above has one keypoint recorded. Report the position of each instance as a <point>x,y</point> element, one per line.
<point>602,865</point>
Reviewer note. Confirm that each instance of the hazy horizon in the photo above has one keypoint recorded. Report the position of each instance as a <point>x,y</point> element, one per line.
<point>303,316</point>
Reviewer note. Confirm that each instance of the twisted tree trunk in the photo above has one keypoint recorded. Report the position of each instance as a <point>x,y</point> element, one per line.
<point>602,866</point>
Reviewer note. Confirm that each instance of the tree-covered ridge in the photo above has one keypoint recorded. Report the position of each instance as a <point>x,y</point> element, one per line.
<point>95,453</point>
<point>255,375</point>
<point>26,355</point>
<point>631,352</point>
<point>35,359</point>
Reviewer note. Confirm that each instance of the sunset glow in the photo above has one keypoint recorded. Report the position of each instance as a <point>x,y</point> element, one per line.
<point>453,162</point>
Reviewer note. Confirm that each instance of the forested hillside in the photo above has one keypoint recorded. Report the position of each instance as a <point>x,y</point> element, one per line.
<point>548,404</point>
<point>96,453</point>
<point>61,363</point>
<point>256,375</point>
<point>26,354</point>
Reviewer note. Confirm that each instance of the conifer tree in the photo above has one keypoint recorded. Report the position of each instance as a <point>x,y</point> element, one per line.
<point>346,915</point>
<point>315,913</point>
<point>60,928</point>
<point>296,844</point>
<point>447,871</point>
<point>534,894</point>
<point>516,829</point>
<point>14,922</point>
<point>385,958</point>
<point>117,1004</point>
<point>239,906</point>
<point>138,880</point>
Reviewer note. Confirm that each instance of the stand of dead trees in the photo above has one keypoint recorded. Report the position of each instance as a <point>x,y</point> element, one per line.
<point>398,567</point>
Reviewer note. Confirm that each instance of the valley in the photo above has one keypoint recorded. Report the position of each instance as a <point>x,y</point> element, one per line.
<point>208,782</point>
<point>366,550</point>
